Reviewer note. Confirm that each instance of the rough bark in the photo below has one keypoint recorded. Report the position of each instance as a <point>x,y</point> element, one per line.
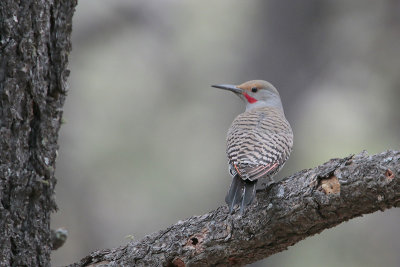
<point>34,47</point>
<point>295,208</point>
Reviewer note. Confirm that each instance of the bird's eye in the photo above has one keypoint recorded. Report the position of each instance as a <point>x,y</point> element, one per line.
<point>254,89</point>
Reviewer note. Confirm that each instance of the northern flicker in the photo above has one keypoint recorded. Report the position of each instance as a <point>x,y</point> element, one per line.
<point>259,141</point>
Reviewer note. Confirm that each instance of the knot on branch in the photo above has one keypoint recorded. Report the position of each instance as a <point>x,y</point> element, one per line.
<point>389,174</point>
<point>177,262</point>
<point>330,185</point>
<point>196,241</point>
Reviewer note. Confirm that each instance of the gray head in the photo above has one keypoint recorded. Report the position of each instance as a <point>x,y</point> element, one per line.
<point>255,93</point>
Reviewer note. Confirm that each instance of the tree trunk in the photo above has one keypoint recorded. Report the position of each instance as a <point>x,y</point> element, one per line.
<point>34,43</point>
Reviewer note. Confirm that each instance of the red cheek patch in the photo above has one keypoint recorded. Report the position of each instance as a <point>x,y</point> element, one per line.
<point>250,99</point>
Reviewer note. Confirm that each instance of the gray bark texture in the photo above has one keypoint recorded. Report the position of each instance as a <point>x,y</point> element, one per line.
<point>34,48</point>
<point>286,212</point>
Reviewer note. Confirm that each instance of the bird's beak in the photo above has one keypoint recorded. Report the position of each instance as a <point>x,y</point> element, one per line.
<point>229,87</point>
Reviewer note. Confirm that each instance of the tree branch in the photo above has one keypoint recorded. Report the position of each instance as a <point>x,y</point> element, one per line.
<point>295,208</point>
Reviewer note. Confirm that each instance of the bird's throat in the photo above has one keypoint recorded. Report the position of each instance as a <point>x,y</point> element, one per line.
<point>250,99</point>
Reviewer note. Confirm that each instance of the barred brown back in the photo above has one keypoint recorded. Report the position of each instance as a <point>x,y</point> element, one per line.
<point>259,143</point>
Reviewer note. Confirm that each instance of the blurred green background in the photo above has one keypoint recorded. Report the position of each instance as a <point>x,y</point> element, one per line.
<point>144,142</point>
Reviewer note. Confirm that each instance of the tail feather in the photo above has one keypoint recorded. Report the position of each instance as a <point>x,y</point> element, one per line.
<point>249,192</point>
<point>240,192</point>
<point>234,194</point>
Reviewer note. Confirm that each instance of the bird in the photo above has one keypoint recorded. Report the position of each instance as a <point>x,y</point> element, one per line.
<point>259,141</point>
